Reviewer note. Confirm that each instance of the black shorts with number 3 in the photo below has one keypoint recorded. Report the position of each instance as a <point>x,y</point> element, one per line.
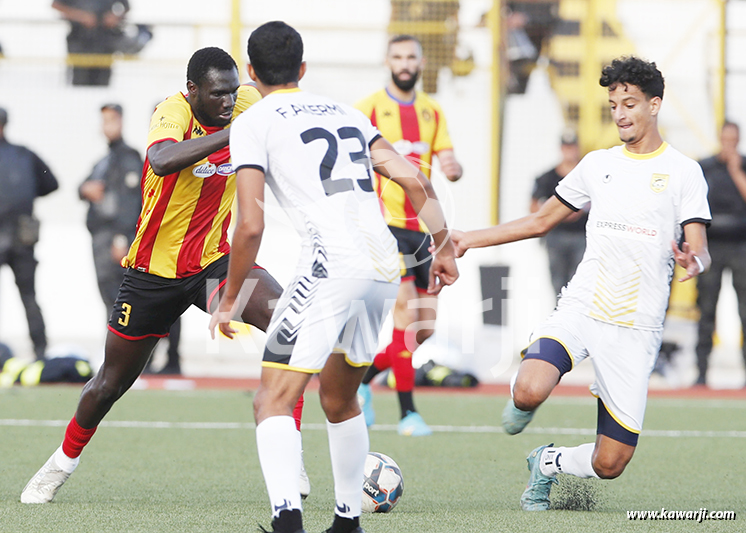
<point>414,255</point>
<point>147,305</point>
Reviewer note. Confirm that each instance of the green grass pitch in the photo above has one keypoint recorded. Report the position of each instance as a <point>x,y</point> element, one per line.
<point>468,477</point>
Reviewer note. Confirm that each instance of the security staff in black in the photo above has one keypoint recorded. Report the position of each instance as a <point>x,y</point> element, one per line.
<point>23,177</point>
<point>114,201</point>
<point>726,181</point>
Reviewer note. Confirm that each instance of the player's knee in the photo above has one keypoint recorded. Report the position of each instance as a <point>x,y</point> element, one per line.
<point>106,391</point>
<point>423,335</point>
<point>527,396</point>
<point>608,467</point>
<point>338,409</point>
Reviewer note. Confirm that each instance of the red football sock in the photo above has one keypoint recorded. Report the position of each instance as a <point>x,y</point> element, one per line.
<point>298,412</point>
<point>401,362</point>
<point>382,361</point>
<point>76,438</point>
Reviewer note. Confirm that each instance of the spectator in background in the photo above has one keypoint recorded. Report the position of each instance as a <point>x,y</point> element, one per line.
<point>113,194</point>
<point>23,177</point>
<point>725,173</point>
<point>97,30</point>
<point>566,242</point>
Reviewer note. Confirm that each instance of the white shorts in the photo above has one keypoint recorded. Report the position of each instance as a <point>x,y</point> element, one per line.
<point>622,357</point>
<point>316,317</point>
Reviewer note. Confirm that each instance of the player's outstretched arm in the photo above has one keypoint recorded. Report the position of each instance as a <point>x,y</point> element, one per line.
<point>537,224</point>
<point>694,255</point>
<point>246,240</point>
<point>388,163</point>
<point>167,157</point>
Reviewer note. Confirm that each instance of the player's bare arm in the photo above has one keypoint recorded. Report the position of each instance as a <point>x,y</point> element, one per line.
<point>537,224</point>
<point>246,240</point>
<point>168,157</point>
<point>387,162</point>
<point>450,167</point>
<point>693,256</point>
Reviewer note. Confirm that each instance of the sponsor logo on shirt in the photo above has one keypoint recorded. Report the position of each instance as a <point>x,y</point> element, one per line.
<point>204,171</point>
<point>624,230</point>
<point>405,147</point>
<point>659,182</point>
<point>225,169</point>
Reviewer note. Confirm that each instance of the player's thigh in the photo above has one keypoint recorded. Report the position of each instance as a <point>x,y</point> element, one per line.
<point>623,359</point>
<point>147,306</point>
<point>262,288</point>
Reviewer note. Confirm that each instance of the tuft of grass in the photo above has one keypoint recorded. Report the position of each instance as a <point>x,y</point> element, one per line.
<point>575,494</point>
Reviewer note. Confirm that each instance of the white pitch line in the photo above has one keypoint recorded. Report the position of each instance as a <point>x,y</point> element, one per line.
<point>377,427</point>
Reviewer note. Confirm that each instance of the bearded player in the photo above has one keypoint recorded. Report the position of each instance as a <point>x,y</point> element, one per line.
<point>414,123</point>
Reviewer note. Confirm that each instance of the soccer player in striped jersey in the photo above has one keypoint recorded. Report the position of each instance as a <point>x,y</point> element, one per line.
<point>179,256</point>
<point>414,123</point>
<point>648,210</point>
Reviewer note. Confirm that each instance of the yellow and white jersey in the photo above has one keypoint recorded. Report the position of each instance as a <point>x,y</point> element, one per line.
<point>315,154</point>
<point>639,204</point>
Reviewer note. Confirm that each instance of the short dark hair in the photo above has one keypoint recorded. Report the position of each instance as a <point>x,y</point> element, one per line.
<point>113,107</point>
<point>3,116</point>
<point>276,53</point>
<point>730,124</point>
<point>403,39</point>
<point>208,58</point>
<point>631,70</point>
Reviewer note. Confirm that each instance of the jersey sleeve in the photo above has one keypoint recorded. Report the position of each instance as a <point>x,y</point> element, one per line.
<point>694,205</point>
<point>442,140</point>
<point>248,150</point>
<point>572,190</point>
<point>169,121</point>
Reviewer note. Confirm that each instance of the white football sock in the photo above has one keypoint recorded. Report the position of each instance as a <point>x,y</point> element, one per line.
<point>348,446</point>
<point>577,461</point>
<point>279,447</point>
<point>66,463</point>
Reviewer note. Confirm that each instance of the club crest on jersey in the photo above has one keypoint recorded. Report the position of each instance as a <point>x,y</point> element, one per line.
<point>225,169</point>
<point>659,182</point>
<point>204,171</point>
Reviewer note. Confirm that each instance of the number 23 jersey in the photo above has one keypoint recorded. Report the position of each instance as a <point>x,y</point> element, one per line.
<point>315,154</point>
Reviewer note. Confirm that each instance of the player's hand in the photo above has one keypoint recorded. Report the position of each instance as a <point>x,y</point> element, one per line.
<point>458,238</point>
<point>451,169</point>
<point>443,271</point>
<point>222,317</point>
<point>685,258</point>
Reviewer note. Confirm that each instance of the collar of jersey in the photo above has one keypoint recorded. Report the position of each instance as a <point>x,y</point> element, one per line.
<point>395,99</point>
<point>658,151</point>
<point>286,91</point>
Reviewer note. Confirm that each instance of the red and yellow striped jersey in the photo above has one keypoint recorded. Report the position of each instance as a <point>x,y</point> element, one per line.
<point>183,225</point>
<point>417,130</point>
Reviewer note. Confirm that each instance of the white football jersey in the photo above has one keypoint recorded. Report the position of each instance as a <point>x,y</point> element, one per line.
<point>316,159</point>
<point>639,203</point>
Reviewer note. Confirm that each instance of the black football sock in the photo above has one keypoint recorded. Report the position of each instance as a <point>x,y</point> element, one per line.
<point>406,402</point>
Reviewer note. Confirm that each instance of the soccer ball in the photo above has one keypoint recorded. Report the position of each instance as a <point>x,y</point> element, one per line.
<point>383,484</point>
